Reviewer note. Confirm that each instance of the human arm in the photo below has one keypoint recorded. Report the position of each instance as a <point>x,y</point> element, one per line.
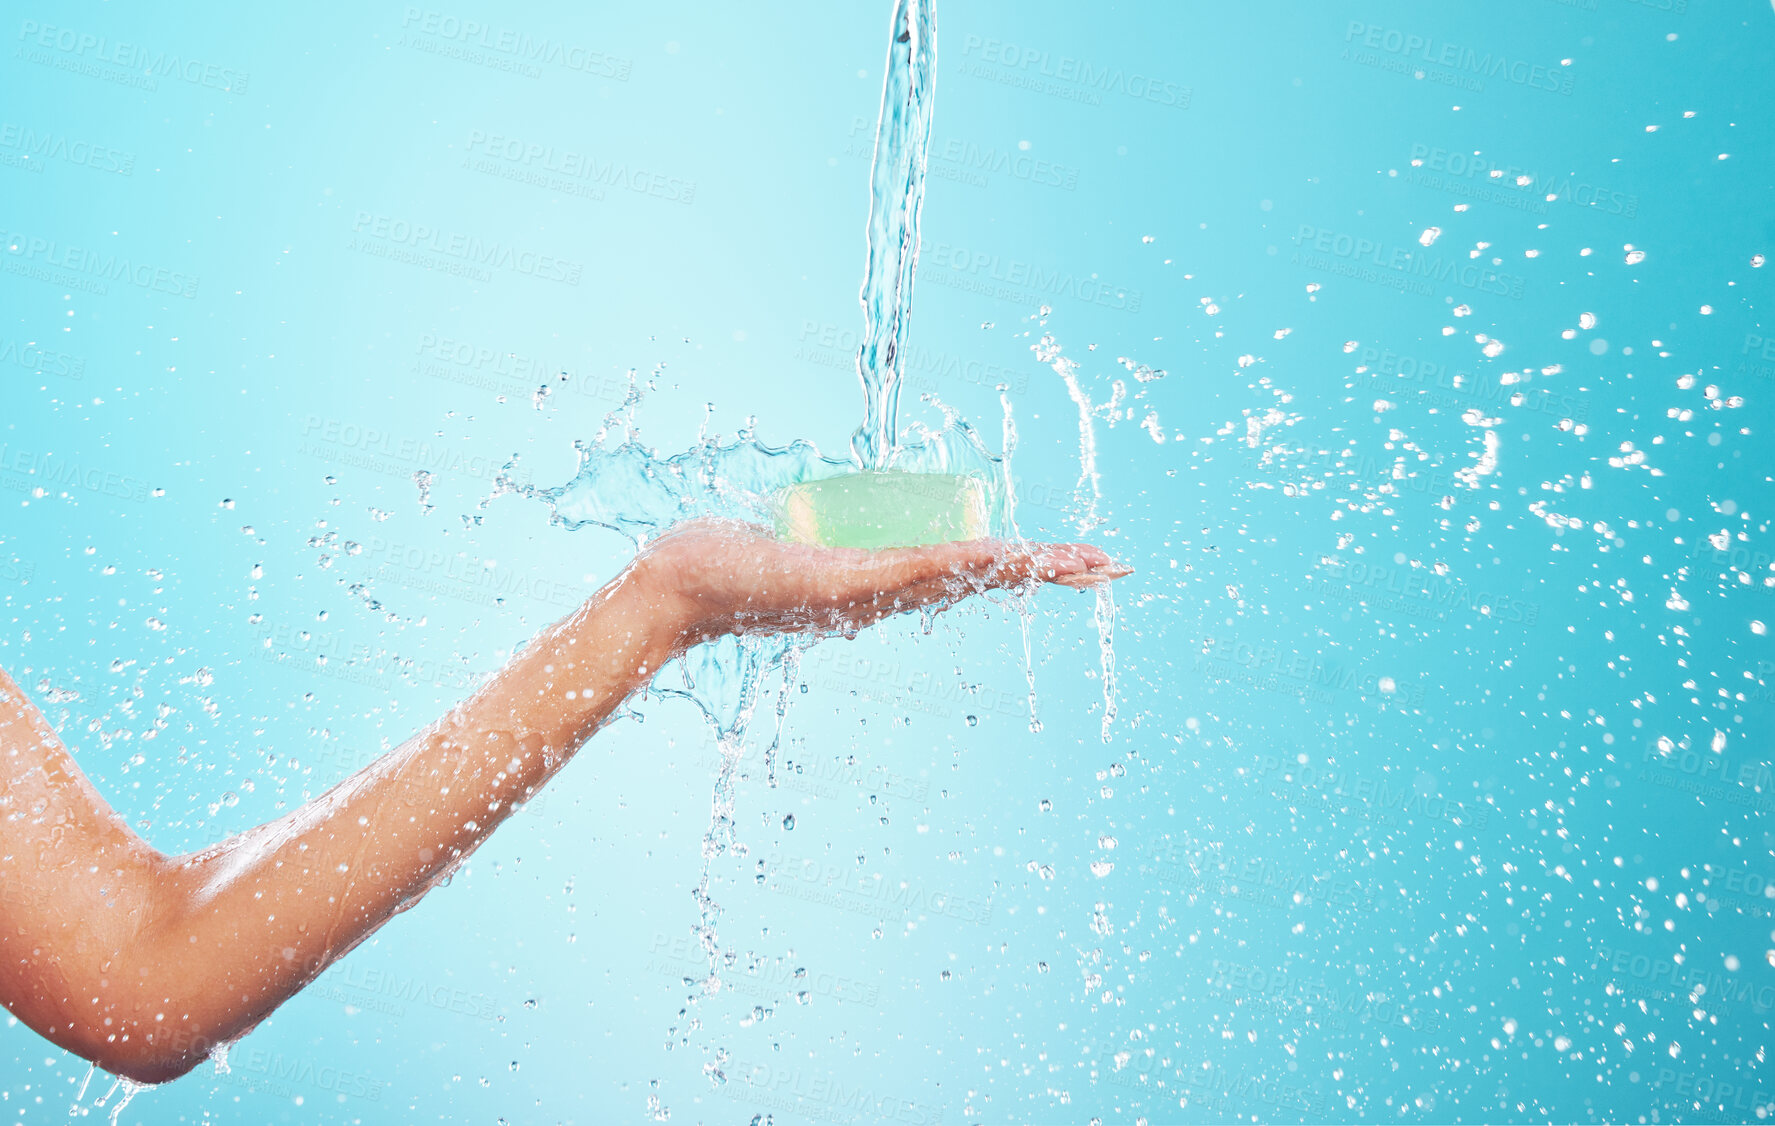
<point>143,963</point>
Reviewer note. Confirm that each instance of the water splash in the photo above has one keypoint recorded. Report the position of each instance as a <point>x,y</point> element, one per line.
<point>902,144</point>
<point>1048,352</point>
<point>627,486</point>
<point>74,1109</point>
<point>129,1092</point>
<point>422,480</point>
<point>1024,615</point>
<point>1106,648</point>
<point>1008,442</point>
<point>127,1086</point>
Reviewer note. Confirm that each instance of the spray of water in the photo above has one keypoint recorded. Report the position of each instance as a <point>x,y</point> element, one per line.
<point>896,196</point>
<point>624,485</point>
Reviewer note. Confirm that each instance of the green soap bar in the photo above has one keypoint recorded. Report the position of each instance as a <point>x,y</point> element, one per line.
<point>883,508</point>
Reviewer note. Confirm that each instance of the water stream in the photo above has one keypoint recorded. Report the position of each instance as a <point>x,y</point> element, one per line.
<point>896,196</point>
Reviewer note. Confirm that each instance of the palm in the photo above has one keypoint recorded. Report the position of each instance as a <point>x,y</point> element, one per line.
<point>725,576</point>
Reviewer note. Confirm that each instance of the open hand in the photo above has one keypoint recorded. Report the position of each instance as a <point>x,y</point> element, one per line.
<point>716,577</point>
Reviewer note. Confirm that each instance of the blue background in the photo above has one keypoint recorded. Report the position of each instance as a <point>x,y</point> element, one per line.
<point>1393,832</point>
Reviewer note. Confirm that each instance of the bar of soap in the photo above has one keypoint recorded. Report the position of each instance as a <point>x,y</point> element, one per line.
<point>878,509</point>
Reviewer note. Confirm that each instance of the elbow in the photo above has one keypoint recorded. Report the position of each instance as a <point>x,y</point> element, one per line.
<point>143,1039</point>
<point>147,1057</point>
<point>152,1066</point>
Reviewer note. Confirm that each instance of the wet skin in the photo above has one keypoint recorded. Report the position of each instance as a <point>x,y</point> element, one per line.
<point>144,963</point>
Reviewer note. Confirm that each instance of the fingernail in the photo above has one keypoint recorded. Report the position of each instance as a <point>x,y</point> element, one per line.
<point>1079,580</point>
<point>1096,575</point>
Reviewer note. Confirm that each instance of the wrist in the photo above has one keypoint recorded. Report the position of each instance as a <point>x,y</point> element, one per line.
<point>659,619</point>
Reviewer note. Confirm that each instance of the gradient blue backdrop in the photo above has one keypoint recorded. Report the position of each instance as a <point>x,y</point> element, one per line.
<point>1439,790</point>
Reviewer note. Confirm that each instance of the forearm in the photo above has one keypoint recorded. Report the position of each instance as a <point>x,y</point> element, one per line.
<point>250,922</point>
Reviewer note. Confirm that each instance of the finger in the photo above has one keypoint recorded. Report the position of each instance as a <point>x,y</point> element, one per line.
<point>1101,575</point>
<point>920,575</point>
<point>1023,569</point>
<point>1070,563</point>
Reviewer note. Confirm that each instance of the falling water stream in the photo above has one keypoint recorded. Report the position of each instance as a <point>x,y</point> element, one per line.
<point>896,196</point>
